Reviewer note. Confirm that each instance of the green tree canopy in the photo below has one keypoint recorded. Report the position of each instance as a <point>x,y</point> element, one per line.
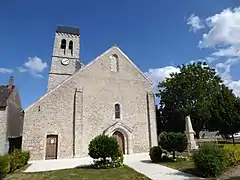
<point>103,147</point>
<point>225,112</point>
<point>189,92</point>
<point>172,142</point>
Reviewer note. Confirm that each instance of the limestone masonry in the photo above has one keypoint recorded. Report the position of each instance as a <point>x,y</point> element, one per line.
<point>110,95</point>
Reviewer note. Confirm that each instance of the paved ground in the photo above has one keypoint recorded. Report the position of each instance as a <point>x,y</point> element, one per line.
<point>142,164</point>
<point>48,165</point>
<point>139,162</point>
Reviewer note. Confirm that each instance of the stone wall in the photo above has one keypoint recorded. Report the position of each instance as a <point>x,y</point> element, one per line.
<point>3,131</point>
<point>58,71</point>
<point>152,125</point>
<point>52,114</point>
<point>56,79</point>
<point>85,105</point>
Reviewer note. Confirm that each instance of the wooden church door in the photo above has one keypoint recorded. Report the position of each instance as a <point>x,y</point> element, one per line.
<point>120,139</point>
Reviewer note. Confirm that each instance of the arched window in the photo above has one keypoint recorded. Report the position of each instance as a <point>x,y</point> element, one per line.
<point>117,111</point>
<point>114,63</point>
<point>63,45</point>
<point>70,47</point>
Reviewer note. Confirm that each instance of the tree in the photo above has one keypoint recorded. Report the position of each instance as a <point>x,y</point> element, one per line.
<point>161,124</point>
<point>225,112</point>
<point>189,92</point>
<point>172,142</point>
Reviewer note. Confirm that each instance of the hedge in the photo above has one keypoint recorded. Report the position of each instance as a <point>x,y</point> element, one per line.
<point>210,160</point>
<point>9,163</point>
<point>156,154</point>
<point>4,166</point>
<point>233,154</point>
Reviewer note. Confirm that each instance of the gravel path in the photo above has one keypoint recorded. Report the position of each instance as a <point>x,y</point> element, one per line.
<point>231,174</point>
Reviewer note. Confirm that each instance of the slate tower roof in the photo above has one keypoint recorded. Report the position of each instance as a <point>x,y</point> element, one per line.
<point>68,30</point>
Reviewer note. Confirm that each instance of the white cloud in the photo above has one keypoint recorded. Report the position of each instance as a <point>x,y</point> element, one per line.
<point>195,23</point>
<point>235,85</point>
<point>233,50</point>
<point>210,59</point>
<point>160,74</point>
<point>5,70</point>
<point>35,66</point>
<point>224,29</point>
<point>223,37</point>
<point>224,69</point>
<point>22,69</point>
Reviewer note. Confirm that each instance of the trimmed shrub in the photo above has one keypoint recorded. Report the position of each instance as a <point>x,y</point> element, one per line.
<point>14,162</point>
<point>172,142</point>
<point>4,166</point>
<point>105,151</point>
<point>117,161</point>
<point>26,157</point>
<point>121,157</point>
<point>210,160</point>
<point>156,154</point>
<point>233,154</point>
<point>18,159</point>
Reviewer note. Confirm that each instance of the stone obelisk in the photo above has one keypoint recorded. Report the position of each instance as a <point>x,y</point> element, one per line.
<point>190,134</point>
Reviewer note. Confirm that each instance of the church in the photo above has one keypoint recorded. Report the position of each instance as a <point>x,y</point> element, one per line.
<point>109,95</point>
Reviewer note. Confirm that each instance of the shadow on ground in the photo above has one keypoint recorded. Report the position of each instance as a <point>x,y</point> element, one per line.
<point>147,161</point>
<point>187,175</point>
<point>85,166</point>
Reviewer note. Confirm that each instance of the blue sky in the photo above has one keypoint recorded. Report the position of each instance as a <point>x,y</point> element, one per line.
<point>157,35</point>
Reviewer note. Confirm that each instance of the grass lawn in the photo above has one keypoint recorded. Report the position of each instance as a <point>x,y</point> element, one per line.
<point>231,145</point>
<point>186,166</point>
<point>121,173</point>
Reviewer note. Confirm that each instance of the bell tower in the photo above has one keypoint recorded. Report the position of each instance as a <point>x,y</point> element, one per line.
<point>65,57</point>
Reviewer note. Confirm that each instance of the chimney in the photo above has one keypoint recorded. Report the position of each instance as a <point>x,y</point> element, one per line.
<point>10,84</point>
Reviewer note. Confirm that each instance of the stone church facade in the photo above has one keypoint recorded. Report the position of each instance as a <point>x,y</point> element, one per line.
<point>110,95</point>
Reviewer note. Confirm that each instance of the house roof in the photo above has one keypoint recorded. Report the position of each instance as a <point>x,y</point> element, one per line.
<point>68,30</point>
<point>4,94</point>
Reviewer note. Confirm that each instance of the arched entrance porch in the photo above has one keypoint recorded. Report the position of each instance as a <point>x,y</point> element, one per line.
<point>124,135</point>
